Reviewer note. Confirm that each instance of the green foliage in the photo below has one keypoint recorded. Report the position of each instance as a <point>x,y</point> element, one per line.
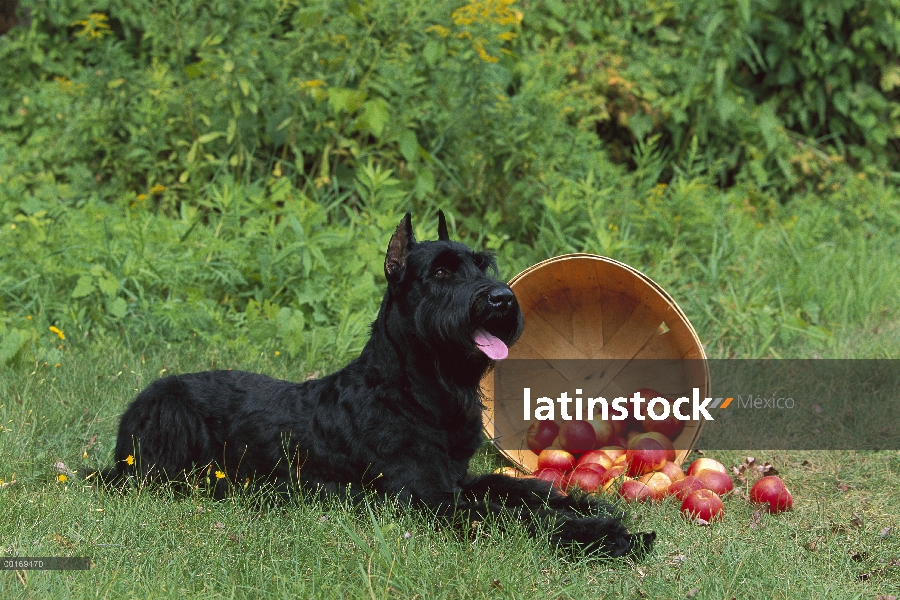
<point>773,89</point>
<point>233,171</point>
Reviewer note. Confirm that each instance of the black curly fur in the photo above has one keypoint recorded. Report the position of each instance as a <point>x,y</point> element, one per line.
<point>403,419</point>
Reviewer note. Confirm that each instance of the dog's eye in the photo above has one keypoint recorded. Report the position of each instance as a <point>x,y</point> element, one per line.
<point>441,273</point>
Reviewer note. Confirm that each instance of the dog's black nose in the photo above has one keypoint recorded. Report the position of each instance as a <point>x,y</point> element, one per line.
<point>501,299</point>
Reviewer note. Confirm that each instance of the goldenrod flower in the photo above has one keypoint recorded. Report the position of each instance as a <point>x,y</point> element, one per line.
<point>142,197</point>
<point>311,83</point>
<point>157,189</point>
<point>55,330</point>
<point>94,26</point>
<point>129,459</point>
<point>438,29</point>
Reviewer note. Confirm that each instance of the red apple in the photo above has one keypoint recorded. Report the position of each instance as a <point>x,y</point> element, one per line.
<point>702,506</point>
<point>603,430</point>
<point>612,475</point>
<point>596,457</point>
<point>681,488</point>
<point>577,436</point>
<point>556,459</point>
<point>586,478</point>
<point>540,435</point>
<point>632,433</point>
<point>706,463</point>
<point>635,491</point>
<point>657,482</point>
<point>772,491</point>
<point>670,427</point>
<point>672,470</point>
<point>644,454</point>
<point>718,482</point>
<point>617,440</point>
<point>665,442</point>
<point>591,467</point>
<point>614,452</point>
<point>619,427</point>
<point>554,476</point>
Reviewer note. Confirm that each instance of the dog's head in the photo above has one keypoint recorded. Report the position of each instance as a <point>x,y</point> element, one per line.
<point>451,295</point>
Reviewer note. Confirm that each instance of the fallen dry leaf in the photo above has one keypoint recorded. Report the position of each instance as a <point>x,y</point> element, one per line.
<point>884,532</point>
<point>63,469</point>
<point>756,520</point>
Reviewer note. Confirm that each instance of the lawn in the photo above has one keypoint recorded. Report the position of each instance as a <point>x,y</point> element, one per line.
<point>838,541</point>
<point>189,185</point>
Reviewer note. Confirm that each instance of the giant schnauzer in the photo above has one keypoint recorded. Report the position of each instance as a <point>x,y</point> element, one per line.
<point>403,419</point>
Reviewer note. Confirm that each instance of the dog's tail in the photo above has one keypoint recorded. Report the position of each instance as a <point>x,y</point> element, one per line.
<point>575,521</point>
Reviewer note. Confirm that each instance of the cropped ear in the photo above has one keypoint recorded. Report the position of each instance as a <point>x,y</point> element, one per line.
<point>442,227</point>
<point>398,249</point>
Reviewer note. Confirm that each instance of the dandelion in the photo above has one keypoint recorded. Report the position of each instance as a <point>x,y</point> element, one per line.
<point>94,26</point>
<point>61,478</point>
<point>55,330</point>
<point>28,317</point>
<point>277,353</point>
<point>129,459</point>
<point>58,365</point>
<point>220,475</point>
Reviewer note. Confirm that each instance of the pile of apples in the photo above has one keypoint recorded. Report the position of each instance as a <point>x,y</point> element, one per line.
<point>594,456</point>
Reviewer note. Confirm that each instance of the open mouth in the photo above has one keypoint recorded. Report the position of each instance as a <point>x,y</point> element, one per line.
<point>491,345</point>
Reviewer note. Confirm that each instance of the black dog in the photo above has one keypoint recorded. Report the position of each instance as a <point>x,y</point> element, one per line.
<point>403,419</point>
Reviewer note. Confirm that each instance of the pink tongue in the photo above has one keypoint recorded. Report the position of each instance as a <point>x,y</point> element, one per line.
<point>490,345</point>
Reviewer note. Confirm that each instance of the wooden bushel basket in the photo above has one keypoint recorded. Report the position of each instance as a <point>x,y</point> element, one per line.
<point>583,306</point>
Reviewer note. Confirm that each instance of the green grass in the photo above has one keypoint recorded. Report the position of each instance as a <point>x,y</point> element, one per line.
<point>190,189</point>
<point>151,544</point>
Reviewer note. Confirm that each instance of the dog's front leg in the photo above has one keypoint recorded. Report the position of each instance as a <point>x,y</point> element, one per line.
<point>577,521</point>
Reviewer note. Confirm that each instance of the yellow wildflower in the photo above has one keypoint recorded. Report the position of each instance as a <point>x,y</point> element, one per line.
<point>142,197</point>
<point>220,475</point>
<point>61,335</point>
<point>64,84</point>
<point>277,353</point>
<point>438,29</point>
<point>482,53</point>
<point>94,26</point>
<point>129,459</point>
<point>61,478</point>
<point>312,83</point>
<point>157,189</point>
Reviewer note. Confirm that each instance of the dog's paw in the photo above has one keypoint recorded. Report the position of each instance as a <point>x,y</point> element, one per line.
<point>607,536</point>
